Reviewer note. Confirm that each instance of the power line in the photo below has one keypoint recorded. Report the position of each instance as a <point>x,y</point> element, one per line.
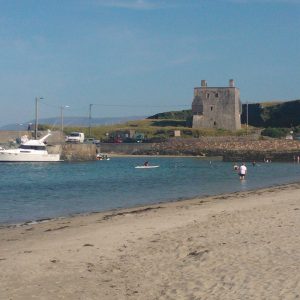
<point>138,105</point>
<point>123,105</point>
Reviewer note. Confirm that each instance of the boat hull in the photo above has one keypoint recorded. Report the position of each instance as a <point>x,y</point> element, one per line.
<point>146,167</point>
<point>28,157</point>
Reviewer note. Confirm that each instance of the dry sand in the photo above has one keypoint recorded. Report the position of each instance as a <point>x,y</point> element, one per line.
<point>237,246</point>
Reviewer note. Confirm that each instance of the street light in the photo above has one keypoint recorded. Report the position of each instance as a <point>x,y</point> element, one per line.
<point>62,116</point>
<point>247,118</point>
<point>36,115</point>
<point>90,119</point>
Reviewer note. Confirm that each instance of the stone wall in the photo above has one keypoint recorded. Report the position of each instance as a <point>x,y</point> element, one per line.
<point>78,152</point>
<point>124,148</point>
<point>230,148</point>
<point>74,152</point>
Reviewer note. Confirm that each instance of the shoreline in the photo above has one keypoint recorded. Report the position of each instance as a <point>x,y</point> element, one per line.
<point>242,245</point>
<point>133,208</point>
<point>219,157</point>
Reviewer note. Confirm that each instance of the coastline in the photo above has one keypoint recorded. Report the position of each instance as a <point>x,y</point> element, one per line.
<point>135,208</point>
<point>218,157</point>
<point>229,246</point>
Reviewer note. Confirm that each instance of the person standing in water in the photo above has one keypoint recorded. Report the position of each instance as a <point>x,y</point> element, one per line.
<point>242,171</point>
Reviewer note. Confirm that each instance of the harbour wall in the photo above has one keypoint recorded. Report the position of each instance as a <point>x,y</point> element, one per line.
<point>230,148</point>
<point>126,148</point>
<point>74,152</point>
<point>78,152</point>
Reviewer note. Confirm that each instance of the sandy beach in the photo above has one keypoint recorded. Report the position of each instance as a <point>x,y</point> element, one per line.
<point>238,246</point>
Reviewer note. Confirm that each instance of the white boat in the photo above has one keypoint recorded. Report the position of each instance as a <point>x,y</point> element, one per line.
<point>29,151</point>
<point>100,156</point>
<point>146,167</point>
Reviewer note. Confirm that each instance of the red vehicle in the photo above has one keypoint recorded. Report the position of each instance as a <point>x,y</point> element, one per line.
<point>118,140</point>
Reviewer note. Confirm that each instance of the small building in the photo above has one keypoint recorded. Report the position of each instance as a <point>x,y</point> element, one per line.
<point>217,107</point>
<point>177,133</point>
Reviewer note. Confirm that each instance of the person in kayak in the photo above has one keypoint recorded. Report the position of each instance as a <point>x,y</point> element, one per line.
<point>146,163</point>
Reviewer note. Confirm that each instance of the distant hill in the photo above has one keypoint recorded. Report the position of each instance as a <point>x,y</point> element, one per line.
<point>263,114</point>
<point>73,121</point>
<point>175,115</point>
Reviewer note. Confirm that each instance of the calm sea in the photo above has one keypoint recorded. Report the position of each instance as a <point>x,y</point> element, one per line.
<point>33,191</point>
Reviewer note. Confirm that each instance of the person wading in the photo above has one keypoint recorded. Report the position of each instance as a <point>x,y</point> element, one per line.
<point>242,171</point>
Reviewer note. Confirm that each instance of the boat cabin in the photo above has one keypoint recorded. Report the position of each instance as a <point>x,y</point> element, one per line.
<point>33,147</point>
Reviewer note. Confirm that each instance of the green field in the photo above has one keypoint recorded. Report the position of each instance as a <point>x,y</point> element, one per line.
<point>153,129</point>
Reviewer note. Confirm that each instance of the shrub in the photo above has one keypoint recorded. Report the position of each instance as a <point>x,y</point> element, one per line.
<point>275,132</point>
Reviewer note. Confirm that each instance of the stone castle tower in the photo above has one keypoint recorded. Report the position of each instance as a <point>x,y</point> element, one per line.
<point>217,107</point>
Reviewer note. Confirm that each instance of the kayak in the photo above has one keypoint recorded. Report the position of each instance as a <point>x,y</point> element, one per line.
<point>146,167</point>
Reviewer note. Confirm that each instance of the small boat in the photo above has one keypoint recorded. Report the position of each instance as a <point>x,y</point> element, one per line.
<point>29,151</point>
<point>146,167</point>
<point>100,156</point>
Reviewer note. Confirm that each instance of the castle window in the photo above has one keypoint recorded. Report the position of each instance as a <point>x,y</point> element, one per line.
<point>207,95</point>
<point>217,95</point>
<point>215,123</point>
<point>211,108</point>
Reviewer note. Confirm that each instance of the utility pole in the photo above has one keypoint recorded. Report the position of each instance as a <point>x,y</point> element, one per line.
<point>247,118</point>
<point>90,120</point>
<point>36,115</point>
<point>62,117</point>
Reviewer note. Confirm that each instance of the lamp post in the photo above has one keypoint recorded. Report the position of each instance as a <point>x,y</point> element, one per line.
<point>36,115</point>
<point>247,117</point>
<point>90,120</point>
<point>62,116</point>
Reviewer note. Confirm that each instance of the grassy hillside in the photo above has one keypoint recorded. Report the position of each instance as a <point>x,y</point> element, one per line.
<point>264,114</point>
<point>284,114</point>
<point>174,115</point>
<point>152,129</point>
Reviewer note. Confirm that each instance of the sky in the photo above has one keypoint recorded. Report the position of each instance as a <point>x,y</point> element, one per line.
<point>141,57</point>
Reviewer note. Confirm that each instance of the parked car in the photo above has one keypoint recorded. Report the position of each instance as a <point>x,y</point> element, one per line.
<point>92,141</point>
<point>75,137</point>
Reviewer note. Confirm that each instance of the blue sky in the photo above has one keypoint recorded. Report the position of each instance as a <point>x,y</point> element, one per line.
<point>140,57</point>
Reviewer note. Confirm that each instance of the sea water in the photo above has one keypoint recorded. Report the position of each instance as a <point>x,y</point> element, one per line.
<point>33,191</point>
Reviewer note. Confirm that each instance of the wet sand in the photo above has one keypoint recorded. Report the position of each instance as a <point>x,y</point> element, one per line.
<point>243,245</point>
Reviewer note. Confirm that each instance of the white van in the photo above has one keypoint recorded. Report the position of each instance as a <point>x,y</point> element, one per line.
<point>75,137</point>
